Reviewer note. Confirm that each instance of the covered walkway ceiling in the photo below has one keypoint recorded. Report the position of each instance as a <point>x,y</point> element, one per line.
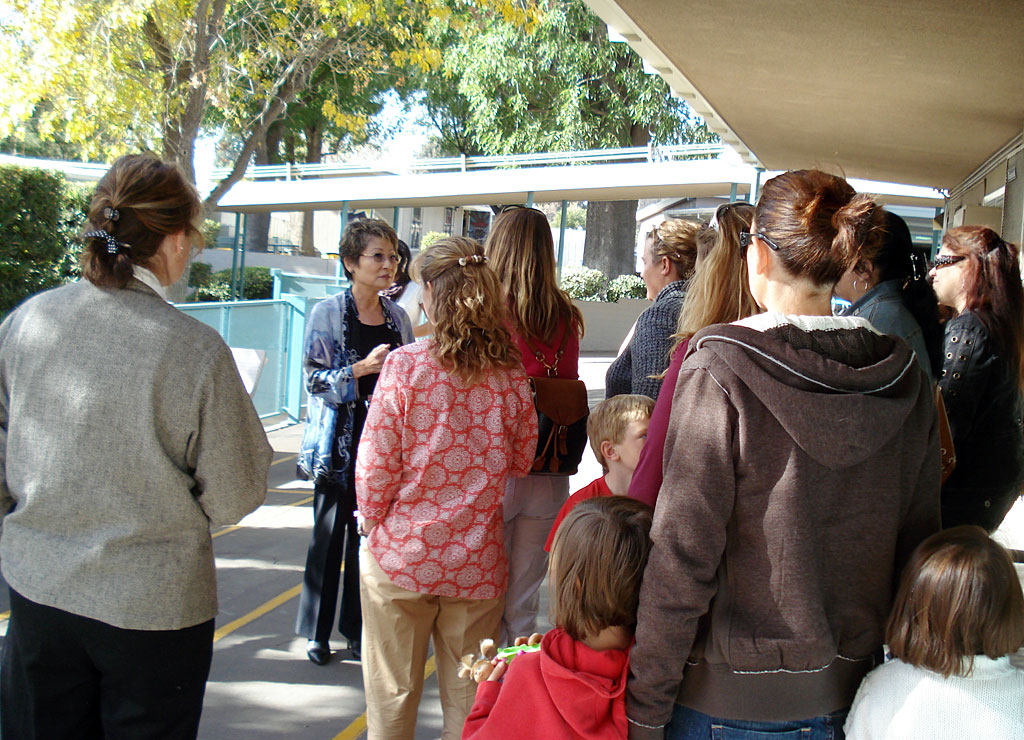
<point>915,91</point>
<point>694,178</point>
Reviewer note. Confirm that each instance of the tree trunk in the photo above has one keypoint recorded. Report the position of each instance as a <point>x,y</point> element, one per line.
<point>314,154</point>
<point>267,152</point>
<point>610,244</point>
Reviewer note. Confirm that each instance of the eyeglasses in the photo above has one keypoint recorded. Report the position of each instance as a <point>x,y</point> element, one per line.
<point>380,258</point>
<point>945,260</point>
<point>746,238</point>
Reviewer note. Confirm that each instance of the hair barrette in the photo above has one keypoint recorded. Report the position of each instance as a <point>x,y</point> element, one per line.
<point>113,245</point>
<point>111,214</point>
<point>476,259</point>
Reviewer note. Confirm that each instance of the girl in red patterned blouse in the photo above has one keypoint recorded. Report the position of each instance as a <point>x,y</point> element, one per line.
<point>452,418</point>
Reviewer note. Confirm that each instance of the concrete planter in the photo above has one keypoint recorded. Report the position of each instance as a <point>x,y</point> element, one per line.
<point>608,323</point>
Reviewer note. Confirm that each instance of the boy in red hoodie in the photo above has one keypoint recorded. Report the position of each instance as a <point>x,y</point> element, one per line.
<point>573,687</point>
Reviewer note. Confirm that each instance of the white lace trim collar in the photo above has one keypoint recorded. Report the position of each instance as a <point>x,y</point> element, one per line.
<point>772,319</point>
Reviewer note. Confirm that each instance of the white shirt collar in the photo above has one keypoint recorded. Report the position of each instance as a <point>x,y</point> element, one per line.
<point>771,319</point>
<point>146,276</point>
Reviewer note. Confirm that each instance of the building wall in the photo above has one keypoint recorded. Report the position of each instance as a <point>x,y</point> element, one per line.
<point>1013,201</point>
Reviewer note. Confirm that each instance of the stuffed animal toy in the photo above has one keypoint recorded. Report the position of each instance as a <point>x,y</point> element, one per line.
<point>479,667</point>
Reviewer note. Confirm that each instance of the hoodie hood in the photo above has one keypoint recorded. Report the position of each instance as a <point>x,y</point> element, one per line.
<point>837,387</point>
<point>589,683</point>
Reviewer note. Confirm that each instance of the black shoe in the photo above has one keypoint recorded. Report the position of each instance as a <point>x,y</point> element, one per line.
<point>355,647</point>
<point>318,652</point>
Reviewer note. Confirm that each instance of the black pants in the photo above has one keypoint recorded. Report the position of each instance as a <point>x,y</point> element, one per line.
<point>334,534</point>
<point>68,676</point>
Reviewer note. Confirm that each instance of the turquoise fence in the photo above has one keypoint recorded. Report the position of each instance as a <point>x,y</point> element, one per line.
<point>306,286</point>
<point>274,326</point>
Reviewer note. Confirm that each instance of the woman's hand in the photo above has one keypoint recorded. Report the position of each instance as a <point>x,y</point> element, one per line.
<point>372,363</point>
<point>366,526</point>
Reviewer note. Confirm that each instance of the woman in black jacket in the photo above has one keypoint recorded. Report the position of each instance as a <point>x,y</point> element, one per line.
<point>976,273</point>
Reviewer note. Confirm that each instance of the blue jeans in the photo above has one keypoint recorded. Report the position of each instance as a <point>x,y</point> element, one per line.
<point>689,724</point>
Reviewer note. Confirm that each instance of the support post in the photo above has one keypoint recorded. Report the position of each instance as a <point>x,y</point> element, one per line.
<point>241,260</point>
<point>338,269</point>
<point>234,255</point>
<point>529,199</point>
<point>757,185</point>
<point>732,193</point>
<point>561,237</point>
<point>936,234</point>
<point>394,221</point>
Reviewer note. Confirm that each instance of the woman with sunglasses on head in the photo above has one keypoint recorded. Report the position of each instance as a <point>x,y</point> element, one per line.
<point>348,337</point>
<point>669,259</point>
<point>977,274</point>
<point>547,328</point>
<point>126,434</point>
<point>719,293</point>
<point>889,287</point>
<point>801,470</point>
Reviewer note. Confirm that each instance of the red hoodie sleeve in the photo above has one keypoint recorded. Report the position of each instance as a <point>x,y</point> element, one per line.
<point>486,698</point>
<point>646,481</point>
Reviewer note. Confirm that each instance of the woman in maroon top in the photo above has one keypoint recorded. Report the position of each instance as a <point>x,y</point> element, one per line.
<point>718,294</point>
<point>547,328</point>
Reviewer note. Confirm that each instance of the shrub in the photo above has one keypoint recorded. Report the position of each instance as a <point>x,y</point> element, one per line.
<point>431,238</point>
<point>626,286</point>
<point>200,274</point>
<point>213,292</point>
<point>41,217</point>
<point>582,284</point>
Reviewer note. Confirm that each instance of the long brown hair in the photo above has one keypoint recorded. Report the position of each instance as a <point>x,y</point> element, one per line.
<point>719,293</point>
<point>992,287</point>
<point>469,337</point>
<point>959,597</point>
<point>138,202</point>
<point>522,253</point>
<point>819,222</point>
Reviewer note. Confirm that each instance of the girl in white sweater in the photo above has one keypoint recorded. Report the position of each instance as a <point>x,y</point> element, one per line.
<point>958,617</point>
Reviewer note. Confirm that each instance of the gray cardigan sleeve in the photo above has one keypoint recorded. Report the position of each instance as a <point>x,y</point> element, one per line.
<point>229,451</point>
<point>5,494</point>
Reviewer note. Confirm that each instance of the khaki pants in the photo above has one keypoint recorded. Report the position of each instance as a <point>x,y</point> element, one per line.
<point>397,627</point>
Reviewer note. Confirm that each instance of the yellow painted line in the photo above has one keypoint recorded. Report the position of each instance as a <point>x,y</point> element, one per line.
<point>283,459</point>
<point>358,726</point>
<point>296,491</point>
<point>258,612</point>
<point>4,616</point>
<point>233,527</point>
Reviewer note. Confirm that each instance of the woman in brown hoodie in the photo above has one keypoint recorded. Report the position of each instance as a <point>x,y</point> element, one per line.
<point>802,468</point>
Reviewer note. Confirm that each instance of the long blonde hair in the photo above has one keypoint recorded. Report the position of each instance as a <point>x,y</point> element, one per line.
<point>522,253</point>
<point>719,293</point>
<point>467,309</point>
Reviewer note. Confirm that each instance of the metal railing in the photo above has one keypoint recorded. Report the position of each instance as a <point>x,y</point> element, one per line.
<point>274,326</point>
<point>466,163</point>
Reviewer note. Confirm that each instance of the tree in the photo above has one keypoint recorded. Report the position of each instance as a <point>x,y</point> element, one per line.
<point>121,75</point>
<point>555,83</point>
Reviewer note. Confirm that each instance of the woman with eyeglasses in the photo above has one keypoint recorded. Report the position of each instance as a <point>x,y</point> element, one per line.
<point>348,337</point>
<point>801,470</point>
<point>547,328</point>
<point>719,293</point>
<point>977,274</point>
<point>889,287</point>
<point>669,259</point>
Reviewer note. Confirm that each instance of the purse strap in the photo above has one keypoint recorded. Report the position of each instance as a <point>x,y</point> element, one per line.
<point>551,369</point>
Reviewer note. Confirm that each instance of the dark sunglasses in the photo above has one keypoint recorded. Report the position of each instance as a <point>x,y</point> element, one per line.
<point>746,238</point>
<point>945,260</point>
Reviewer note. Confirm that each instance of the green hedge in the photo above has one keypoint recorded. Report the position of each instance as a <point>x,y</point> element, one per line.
<point>216,286</point>
<point>41,217</point>
<point>626,286</point>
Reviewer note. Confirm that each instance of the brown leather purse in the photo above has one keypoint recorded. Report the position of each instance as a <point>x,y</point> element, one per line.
<point>562,412</point>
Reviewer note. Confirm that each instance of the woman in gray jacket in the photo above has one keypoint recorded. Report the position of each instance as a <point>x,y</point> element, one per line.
<point>125,434</point>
